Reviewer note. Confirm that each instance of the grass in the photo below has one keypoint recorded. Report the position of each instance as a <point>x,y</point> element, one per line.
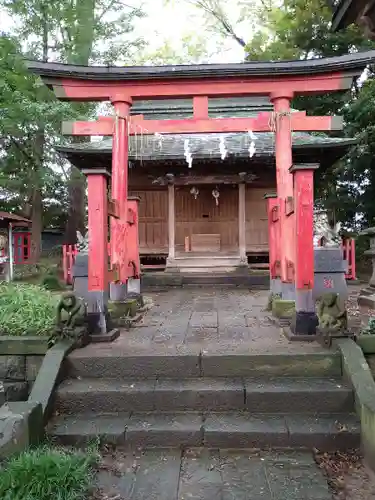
<point>48,473</point>
<point>26,309</point>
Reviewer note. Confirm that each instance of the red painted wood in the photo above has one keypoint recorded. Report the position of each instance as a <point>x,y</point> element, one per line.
<point>299,122</point>
<point>133,239</point>
<point>304,203</point>
<point>348,247</point>
<point>352,260</point>
<point>21,247</point>
<point>273,237</point>
<point>200,107</point>
<point>119,227</point>
<point>284,181</point>
<point>69,255</point>
<point>89,90</point>
<point>98,231</point>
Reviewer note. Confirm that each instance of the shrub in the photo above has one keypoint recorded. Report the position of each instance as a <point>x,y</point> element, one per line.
<point>26,310</point>
<point>47,473</point>
<point>51,281</point>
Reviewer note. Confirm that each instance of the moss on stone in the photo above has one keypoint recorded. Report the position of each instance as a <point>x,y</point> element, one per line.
<point>283,308</point>
<point>121,309</point>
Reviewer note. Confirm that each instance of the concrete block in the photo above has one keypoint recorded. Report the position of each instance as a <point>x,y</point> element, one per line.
<point>21,425</point>
<point>84,428</point>
<point>283,308</point>
<point>165,430</point>
<point>13,391</point>
<point>199,394</point>
<point>241,430</point>
<point>33,364</point>
<point>12,368</point>
<point>326,433</point>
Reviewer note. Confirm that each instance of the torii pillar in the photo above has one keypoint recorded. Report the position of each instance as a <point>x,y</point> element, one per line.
<point>119,195</point>
<point>305,321</point>
<point>282,121</point>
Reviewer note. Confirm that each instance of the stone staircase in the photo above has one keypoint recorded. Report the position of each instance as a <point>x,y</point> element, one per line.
<point>218,401</point>
<point>191,263</point>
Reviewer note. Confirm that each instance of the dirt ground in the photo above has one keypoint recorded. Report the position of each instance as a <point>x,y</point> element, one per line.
<point>347,475</point>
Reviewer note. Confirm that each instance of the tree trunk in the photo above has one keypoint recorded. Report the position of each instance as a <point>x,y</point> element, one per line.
<point>77,201</point>
<point>36,195</point>
<point>37,226</point>
<point>83,41</point>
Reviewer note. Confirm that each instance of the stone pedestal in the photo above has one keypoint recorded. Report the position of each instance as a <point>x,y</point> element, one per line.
<point>100,327</point>
<point>367,295</point>
<point>329,274</point>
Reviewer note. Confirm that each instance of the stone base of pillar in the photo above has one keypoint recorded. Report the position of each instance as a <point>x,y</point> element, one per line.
<point>118,292</point>
<point>288,291</point>
<point>275,291</point>
<point>304,324</point>
<point>305,321</point>
<point>100,324</point>
<point>275,286</point>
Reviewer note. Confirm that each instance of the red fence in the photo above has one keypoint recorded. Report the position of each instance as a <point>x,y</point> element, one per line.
<point>348,246</point>
<point>69,254</point>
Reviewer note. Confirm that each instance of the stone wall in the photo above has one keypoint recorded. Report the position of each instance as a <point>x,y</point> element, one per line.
<point>17,376</point>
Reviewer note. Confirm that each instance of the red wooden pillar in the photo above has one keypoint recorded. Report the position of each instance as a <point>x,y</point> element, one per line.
<point>281,125</point>
<point>119,192</point>
<point>98,240</point>
<point>306,320</point>
<point>274,242</point>
<point>133,245</point>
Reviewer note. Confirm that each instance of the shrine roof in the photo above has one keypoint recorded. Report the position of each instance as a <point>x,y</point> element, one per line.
<point>9,217</point>
<point>355,62</point>
<point>205,147</point>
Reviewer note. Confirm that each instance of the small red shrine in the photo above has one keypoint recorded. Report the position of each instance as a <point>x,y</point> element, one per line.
<point>290,211</point>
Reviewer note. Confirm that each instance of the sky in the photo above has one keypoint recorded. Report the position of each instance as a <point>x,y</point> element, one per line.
<point>170,21</point>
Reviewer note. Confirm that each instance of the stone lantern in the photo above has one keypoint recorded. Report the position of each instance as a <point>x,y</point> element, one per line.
<point>367,295</point>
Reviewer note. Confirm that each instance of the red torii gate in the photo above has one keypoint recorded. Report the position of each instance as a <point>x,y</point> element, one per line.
<point>291,257</point>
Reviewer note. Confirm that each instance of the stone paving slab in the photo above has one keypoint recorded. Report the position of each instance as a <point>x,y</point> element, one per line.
<point>204,474</point>
<point>199,319</point>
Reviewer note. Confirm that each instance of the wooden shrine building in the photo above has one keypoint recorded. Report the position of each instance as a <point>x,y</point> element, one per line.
<point>202,166</point>
<point>211,214</point>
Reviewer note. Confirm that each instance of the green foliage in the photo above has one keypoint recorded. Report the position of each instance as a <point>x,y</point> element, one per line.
<point>370,328</point>
<point>26,310</point>
<point>34,180</point>
<point>50,281</point>
<point>47,473</point>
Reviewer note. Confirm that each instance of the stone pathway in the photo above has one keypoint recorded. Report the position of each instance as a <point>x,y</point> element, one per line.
<point>201,474</point>
<point>206,320</point>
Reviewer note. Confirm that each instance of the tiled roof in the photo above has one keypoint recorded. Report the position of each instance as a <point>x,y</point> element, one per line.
<point>202,146</point>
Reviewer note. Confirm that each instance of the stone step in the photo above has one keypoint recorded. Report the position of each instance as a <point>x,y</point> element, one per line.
<point>213,430</point>
<point>219,270</point>
<point>120,364</point>
<point>205,394</point>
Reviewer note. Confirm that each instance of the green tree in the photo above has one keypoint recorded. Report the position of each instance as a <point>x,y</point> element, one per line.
<point>26,107</point>
<point>76,32</point>
<point>300,29</point>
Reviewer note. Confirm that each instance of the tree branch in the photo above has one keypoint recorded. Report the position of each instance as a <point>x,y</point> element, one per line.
<point>220,17</point>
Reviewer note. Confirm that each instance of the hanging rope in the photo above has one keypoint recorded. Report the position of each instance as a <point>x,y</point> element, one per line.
<point>274,120</point>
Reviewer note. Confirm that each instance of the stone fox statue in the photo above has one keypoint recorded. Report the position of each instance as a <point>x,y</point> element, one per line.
<point>332,315</point>
<point>326,233</point>
<point>73,324</point>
